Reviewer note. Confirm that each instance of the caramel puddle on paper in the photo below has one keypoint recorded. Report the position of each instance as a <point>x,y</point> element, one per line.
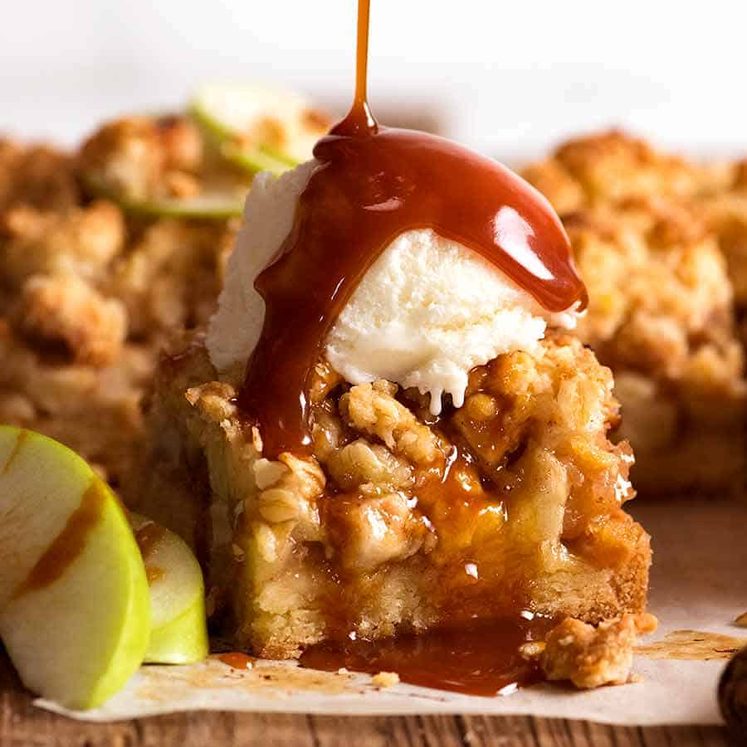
<point>163,683</point>
<point>696,645</point>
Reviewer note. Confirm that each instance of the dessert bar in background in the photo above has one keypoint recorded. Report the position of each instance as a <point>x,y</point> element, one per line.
<point>661,243</point>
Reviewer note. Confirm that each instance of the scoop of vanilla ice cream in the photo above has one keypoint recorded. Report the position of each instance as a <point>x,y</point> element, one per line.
<point>426,312</point>
<point>268,218</point>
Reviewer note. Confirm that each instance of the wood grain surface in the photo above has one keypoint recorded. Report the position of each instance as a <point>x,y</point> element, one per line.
<point>22,725</point>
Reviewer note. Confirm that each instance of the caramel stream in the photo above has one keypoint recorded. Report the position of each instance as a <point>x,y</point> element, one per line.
<point>372,184</point>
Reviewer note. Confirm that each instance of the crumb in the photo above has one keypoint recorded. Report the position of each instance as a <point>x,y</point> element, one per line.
<point>385,679</point>
<point>591,656</point>
<point>343,670</point>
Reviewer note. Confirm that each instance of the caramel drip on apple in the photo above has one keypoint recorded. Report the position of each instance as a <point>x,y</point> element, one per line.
<point>147,537</point>
<point>69,543</point>
<point>372,184</point>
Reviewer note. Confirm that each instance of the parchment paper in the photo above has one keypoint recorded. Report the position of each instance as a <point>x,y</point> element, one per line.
<point>698,587</point>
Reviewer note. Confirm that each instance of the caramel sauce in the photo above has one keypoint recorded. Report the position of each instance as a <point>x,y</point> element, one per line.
<point>69,543</point>
<point>154,573</point>
<point>372,184</point>
<point>237,660</point>
<point>147,537</point>
<point>483,659</point>
<point>15,451</point>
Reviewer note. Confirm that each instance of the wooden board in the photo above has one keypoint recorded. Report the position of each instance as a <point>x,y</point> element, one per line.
<point>22,725</point>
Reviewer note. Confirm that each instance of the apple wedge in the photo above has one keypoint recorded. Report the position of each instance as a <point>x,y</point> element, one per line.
<point>177,595</point>
<point>74,602</point>
<point>217,205</point>
<point>259,128</point>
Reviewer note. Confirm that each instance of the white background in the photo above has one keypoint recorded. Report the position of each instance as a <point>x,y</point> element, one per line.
<point>507,77</point>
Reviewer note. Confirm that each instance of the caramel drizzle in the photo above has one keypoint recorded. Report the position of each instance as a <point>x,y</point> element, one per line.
<point>69,543</point>
<point>373,184</point>
<point>147,537</point>
<point>15,451</point>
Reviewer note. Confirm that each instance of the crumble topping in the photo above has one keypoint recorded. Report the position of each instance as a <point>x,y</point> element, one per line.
<point>144,157</point>
<point>80,241</point>
<point>660,302</point>
<point>611,167</point>
<point>39,176</point>
<point>64,310</point>
<point>373,410</point>
<point>633,212</point>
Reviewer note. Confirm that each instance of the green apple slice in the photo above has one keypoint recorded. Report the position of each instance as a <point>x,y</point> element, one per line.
<point>259,128</point>
<point>208,206</point>
<point>254,160</point>
<point>203,207</point>
<point>74,604</point>
<point>177,595</point>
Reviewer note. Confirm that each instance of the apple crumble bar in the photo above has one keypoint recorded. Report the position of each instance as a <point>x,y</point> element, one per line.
<point>649,236</point>
<point>89,292</point>
<point>400,520</point>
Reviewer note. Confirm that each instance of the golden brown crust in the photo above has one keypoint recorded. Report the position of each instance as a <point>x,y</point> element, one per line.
<point>81,241</point>
<point>38,176</point>
<point>726,216</point>
<point>613,166</point>
<point>139,158</point>
<point>170,277</point>
<point>64,311</point>
<point>660,300</point>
